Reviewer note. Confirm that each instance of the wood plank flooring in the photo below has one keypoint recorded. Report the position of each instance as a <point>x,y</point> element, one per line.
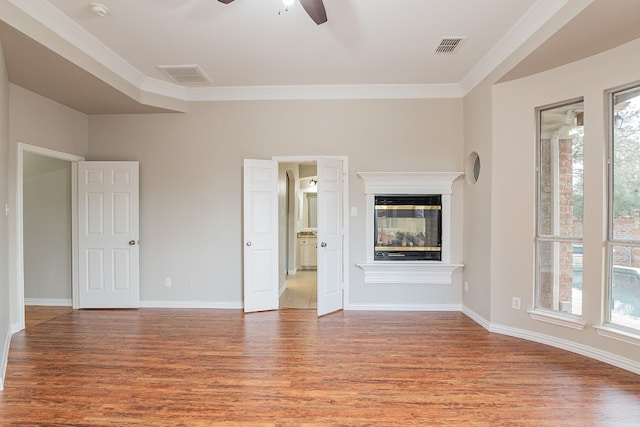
<point>36,314</point>
<point>157,367</point>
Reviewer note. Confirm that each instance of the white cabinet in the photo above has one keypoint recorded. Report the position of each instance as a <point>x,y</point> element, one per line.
<point>307,251</point>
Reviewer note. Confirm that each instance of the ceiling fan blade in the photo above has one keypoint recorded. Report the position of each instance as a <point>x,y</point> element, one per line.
<point>225,1</point>
<point>315,9</point>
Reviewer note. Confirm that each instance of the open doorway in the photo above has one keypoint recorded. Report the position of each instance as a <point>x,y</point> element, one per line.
<point>300,281</point>
<point>45,224</point>
<point>46,230</point>
<point>264,236</point>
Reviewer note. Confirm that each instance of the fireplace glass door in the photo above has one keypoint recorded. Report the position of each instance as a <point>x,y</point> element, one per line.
<point>408,227</point>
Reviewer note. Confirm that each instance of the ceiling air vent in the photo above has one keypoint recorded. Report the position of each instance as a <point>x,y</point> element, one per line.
<point>185,74</point>
<point>449,45</point>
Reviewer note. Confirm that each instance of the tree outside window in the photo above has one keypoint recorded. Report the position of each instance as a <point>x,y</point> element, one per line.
<point>623,302</point>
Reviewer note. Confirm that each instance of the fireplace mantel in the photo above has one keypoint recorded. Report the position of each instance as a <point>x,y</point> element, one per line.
<point>409,272</point>
<point>409,182</point>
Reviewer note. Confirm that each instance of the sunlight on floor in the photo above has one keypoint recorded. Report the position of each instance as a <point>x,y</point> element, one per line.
<point>301,290</point>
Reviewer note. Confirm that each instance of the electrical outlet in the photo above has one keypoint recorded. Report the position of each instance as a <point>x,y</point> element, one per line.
<point>515,303</point>
<point>466,286</point>
<point>167,282</point>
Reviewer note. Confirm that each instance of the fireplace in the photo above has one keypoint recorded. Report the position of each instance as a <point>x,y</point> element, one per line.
<point>405,190</point>
<point>408,227</point>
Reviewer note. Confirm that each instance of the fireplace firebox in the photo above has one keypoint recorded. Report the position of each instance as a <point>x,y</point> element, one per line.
<point>408,227</point>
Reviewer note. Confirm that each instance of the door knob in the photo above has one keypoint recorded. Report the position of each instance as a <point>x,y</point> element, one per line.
<point>133,242</point>
<point>249,243</point>
<point>323,244</point>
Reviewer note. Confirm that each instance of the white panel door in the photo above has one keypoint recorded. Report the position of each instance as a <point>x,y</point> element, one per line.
<point>260,235</point>
<point>108,259</point>
<point>329,236</point>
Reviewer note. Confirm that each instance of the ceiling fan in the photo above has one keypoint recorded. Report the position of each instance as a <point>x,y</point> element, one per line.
<point>314,8</point>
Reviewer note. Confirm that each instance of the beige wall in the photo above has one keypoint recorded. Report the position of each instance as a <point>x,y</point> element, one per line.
<point>4,228</point>
<point>477,201</point>
<point>513,192</point>
<point>191,186</point>
<point>37,121</point>
<point>293,170</point>
<point>47,228</point>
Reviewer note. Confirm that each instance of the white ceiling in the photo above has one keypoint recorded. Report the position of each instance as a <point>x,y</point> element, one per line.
<point>247,43</point>
<point>368,48</point>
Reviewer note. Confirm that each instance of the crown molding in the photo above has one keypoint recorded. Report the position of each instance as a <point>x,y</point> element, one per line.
<point>163,88</point>
<point>301,92</point>
<point>68,30</point>
<point>539,14</point>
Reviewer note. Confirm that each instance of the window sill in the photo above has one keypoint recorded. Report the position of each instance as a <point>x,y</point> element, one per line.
<point>557,319</point>
<point>618,334</point>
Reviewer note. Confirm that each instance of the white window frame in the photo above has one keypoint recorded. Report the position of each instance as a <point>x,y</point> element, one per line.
<point>608,328</point>
<point>554,316</point>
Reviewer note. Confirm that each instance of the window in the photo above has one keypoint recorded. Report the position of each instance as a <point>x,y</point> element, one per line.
<point>559,208</point>
<point>623,285</point>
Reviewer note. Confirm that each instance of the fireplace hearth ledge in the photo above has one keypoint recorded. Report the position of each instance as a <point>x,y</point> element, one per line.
<point>408,272</point>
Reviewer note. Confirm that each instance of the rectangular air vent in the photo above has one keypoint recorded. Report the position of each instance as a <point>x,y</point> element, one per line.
<point>185,74</point>
<point>449,45</point>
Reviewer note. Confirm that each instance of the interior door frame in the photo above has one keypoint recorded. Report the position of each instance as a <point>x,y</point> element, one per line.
<point>345,211</point>
<point>290,191</point>
<point>18,323</point>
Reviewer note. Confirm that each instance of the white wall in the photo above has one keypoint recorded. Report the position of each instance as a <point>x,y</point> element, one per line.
<point>191,181</point>
<point>513,192</point>
<point>4,228</point>
<point>47,229</point>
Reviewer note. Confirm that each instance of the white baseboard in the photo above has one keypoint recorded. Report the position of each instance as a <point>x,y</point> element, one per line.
<point>14,327</point>
<point>5,357</point>
<point>283,287</point>
<point>476,317</point>
<point>404,307</point>
<point>584,350</point>
<point>52,302</point>
<point>192,304</point>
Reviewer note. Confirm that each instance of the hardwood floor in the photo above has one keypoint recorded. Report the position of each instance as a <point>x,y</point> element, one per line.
<point>158,367</point>
<point>36,314</point>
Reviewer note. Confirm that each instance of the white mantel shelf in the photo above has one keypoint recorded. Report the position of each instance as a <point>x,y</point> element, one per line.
<point>409,182</point>
<point>408,272</point>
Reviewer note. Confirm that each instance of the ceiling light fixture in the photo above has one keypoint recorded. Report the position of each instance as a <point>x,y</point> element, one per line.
<point>98,9</point>
<point>287,4</point>
<point>314,8</point>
